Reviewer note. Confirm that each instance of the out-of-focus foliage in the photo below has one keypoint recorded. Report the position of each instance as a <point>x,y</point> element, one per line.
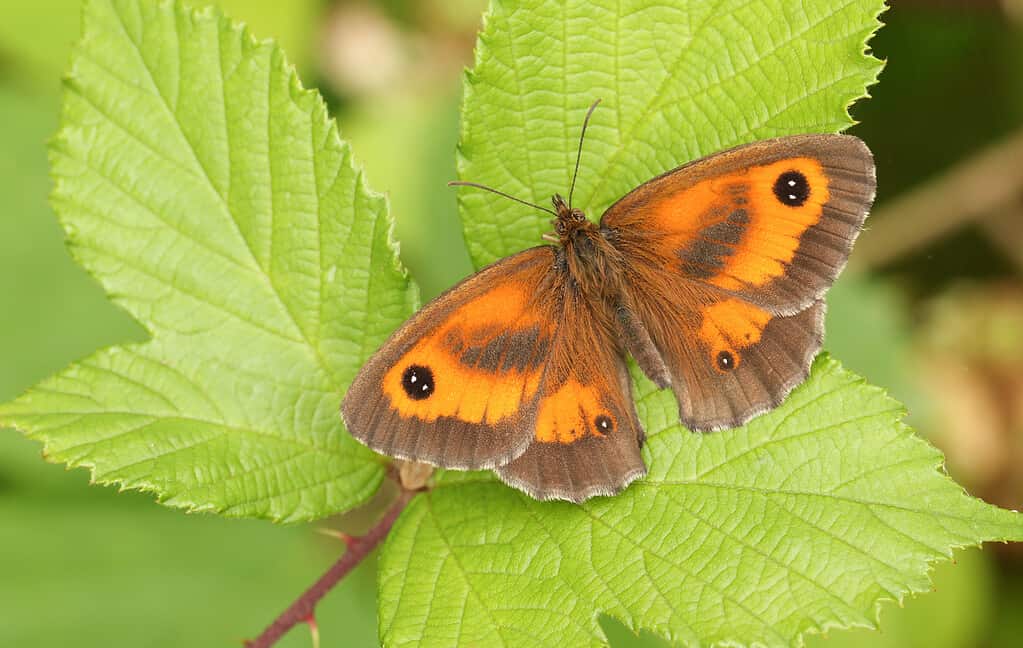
<point>36,35</point>
<point>970,350</point>
<point>405,141</point>
<point>85,566</point>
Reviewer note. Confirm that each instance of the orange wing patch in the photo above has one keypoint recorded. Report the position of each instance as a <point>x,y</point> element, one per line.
<point>472,367</point>
<point>729,326</point>
<point>741,229</point>
<point>571,413</point>
<point>786,199</point>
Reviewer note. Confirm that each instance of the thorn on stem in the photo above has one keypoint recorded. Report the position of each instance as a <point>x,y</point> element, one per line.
<point>314,629</point>
<point>301,610</point>
<point>340,535</point>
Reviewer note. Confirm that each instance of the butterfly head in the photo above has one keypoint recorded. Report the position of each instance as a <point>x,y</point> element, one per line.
<point>568,221</point>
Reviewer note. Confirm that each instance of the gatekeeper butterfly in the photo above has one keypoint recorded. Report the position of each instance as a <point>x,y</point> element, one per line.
<point>711,276</point>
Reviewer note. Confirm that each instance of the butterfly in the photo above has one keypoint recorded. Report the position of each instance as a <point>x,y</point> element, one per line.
<point>710,276</point>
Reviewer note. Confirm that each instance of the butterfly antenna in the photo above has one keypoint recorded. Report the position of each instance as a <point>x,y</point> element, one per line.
<point>460,183</point>
<point>579,154</point>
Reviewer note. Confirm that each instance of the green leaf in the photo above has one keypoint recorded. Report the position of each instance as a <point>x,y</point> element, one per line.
<point>959,613</point>
<point>678,80</point>
<point>211,196</point>
<point>802,520</point>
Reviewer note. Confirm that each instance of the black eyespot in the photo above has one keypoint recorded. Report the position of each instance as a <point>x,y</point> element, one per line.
<point>726,361</point>
<point>417,381</point>
<point>791,188</point>
<point>604,424</point>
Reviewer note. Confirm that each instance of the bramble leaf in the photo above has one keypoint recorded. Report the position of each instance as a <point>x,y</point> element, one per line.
<point>211,196</point>
<point>802,520</point>
<point>677,81</point>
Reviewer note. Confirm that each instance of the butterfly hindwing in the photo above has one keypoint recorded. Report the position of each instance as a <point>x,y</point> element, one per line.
<point>729,360</point>
<point>587,436</point>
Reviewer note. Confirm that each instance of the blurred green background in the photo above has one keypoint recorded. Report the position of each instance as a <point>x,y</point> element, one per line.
<point>932,309</point>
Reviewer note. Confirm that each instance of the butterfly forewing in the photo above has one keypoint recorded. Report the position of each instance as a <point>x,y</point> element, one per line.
<point>457,385</point>
<point>771,222</point>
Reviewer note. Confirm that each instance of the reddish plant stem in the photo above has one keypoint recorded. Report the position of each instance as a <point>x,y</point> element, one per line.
<point>303,607</point>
